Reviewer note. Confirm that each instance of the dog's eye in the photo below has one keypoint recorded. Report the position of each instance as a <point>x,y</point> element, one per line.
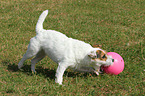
<point>104,56</point>
<point>112,60</point>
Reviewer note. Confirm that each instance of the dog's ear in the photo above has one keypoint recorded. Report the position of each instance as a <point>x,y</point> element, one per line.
<point>101,55</point>
<point>97,45</point>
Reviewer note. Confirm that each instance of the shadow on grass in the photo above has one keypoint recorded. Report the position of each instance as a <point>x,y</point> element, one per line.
<point>26,69</point>
<point>46,72</point>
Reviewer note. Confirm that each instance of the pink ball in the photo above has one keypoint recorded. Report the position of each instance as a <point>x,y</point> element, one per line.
<point>118,65</point>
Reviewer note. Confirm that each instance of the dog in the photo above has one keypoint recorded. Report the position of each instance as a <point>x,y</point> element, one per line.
<point>66,52</point>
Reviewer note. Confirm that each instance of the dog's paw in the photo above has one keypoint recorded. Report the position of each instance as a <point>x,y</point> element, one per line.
<point>20,69</point>
<point>97,73</point>
<point>20,66</point>
<point>34,72</point>
<point>62,85</point>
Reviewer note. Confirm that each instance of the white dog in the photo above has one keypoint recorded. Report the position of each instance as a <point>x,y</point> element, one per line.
<point>66,52</point>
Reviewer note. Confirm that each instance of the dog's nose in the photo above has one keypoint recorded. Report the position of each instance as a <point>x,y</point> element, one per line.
<point>112,60</point>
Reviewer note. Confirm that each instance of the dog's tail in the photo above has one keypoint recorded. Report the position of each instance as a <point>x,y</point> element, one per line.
<point>39,25</point>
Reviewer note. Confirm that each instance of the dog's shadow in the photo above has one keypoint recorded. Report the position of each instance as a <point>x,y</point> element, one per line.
<point>27,70</point>
<point>46,72</point>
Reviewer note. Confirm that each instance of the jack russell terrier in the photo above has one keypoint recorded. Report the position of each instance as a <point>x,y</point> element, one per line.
<point>66,52</point>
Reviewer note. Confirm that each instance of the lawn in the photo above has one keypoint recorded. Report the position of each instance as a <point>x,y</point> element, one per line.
<point>117,25</point>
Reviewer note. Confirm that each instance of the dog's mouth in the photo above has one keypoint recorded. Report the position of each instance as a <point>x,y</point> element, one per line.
<point>108,62</point>
<point>100,62</point>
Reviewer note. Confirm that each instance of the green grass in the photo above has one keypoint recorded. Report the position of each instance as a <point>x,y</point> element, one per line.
<point>118,25</point>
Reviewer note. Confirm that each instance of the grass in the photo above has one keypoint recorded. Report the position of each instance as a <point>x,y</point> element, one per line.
<point>118,25</point>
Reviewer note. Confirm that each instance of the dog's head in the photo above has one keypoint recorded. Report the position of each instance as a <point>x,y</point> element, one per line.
<point>100,57</point>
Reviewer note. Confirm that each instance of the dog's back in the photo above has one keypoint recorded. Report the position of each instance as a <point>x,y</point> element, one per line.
<point>59,47</point>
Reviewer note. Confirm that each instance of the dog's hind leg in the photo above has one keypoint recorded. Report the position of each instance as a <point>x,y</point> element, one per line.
<point>40,55</point>
<point>33,49</point>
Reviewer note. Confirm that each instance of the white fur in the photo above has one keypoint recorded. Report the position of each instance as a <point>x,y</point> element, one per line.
<point>66,52</point>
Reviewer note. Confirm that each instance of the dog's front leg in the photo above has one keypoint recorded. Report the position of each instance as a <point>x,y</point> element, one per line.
<point>89,69</point>
<point>97,70</point>
<point>86,69</point>
<point>59,74</point>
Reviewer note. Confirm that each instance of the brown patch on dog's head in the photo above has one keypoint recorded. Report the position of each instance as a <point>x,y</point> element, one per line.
<point>101,55</point>
<point>98,55</point>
